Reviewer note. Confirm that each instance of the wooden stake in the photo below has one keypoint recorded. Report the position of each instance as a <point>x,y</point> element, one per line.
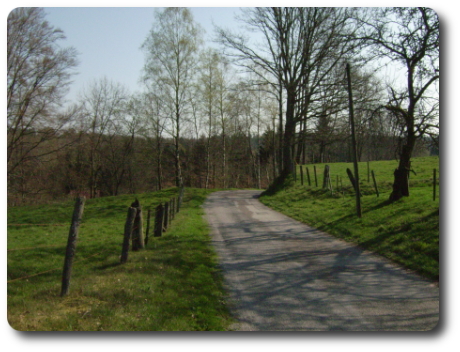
<point>316,178</point>
<point>72,244</point>
<point>129,224</point>
<point>375,184</point>
<point>148,228</point>
<point>353,141</point>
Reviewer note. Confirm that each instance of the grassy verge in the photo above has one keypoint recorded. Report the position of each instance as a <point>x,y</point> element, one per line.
<point>172,285</point>
<point>406,231</point>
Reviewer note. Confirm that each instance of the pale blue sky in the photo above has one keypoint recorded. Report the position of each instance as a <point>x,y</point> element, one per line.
<point>109,39</point>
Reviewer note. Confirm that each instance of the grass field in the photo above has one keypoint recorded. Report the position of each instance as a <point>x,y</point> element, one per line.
<point>406,231</point>
<point>172,285</point>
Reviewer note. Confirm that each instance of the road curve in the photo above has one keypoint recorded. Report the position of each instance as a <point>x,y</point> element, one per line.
<point>284,275</point>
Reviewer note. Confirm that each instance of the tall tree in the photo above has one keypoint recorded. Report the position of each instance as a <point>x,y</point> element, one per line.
<point>38,74</point>
<point>171,49</point>
<point>409,39</point>
<point>301,47</point>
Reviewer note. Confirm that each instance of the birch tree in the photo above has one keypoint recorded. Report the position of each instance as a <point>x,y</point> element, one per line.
<point>171,50</point>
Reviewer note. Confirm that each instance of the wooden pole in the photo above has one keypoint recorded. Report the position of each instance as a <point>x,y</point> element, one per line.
<point>148,228</point>
<point>368,174</point>
<point>301,175</point>
<point>138,232</point>
<point>434,184</point>
<point>326,177</point>
<point>353,142</point>
<point>308,176</point>
<point>375,184</point>
<point>72,244</point>
<point>159,219</point>
<point>166,217</point>
<point>129,224</point>
<point>316,178</point>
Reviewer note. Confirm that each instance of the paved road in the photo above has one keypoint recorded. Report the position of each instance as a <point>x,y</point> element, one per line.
<point>284,275</point>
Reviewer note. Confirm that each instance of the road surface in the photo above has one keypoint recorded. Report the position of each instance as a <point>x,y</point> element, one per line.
<point>284,275</point>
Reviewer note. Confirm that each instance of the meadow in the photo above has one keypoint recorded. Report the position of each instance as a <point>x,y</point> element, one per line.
<point>405,231</point>
<point>174,284</point>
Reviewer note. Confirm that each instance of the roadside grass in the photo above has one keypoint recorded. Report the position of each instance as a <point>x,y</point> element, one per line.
<point>174,284</point>
<point>406,231</point>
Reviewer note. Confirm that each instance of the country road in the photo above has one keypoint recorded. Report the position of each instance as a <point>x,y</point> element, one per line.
<point>284,275</point>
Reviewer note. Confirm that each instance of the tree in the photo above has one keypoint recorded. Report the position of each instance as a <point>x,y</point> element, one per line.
<point>104,104</point>
<point>409,39</point>
<point>38,75</point>
<point>302,47</point>
<point>171,48</point>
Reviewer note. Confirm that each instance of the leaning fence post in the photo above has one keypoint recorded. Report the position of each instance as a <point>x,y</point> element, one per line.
<point>71,244</point>
<point>129,224</point>
<point>375,184</point>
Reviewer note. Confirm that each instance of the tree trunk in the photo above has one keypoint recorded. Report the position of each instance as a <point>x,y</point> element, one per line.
<point>401,174</point>
<point>289,133</point>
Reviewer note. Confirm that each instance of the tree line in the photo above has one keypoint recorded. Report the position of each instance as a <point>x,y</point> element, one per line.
<point>240,115</point>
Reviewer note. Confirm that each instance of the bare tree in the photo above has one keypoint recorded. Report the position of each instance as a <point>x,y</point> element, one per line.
<point>38,74</point>
<point>409,39</point>
<point>171,49</point>
<point>301,47</point>
<point>104,102</point>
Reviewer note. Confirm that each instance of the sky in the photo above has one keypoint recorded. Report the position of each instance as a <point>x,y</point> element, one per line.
<point>109,39</point>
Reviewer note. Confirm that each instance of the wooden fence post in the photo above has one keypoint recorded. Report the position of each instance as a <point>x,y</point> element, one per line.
<point>166,217</point>
<point>353,142</point>
<point>368,179</point>
<point>138,232</point>
<point>71,244</point>
<point>352,178</point>
<point>316,178</point>
<point>326,177</point>
<point>301,175</point>
<point>127,235</point>
<point>308,176</point>
<point>159,220</point>
<point>434,184</point>
<point>375,184</point>
<point>148,228</point>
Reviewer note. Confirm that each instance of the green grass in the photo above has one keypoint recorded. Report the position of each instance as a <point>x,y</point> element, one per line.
<point>172,285</point>
<point>406,231</point>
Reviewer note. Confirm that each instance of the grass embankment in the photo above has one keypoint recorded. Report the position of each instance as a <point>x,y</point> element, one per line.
<point>405,231</point>
<point>171,285</point>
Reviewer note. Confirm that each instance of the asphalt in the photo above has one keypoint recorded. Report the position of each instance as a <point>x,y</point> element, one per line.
<point>282,275</point>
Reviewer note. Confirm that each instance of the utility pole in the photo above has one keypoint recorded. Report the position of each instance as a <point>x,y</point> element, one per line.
<point>353,142</point>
